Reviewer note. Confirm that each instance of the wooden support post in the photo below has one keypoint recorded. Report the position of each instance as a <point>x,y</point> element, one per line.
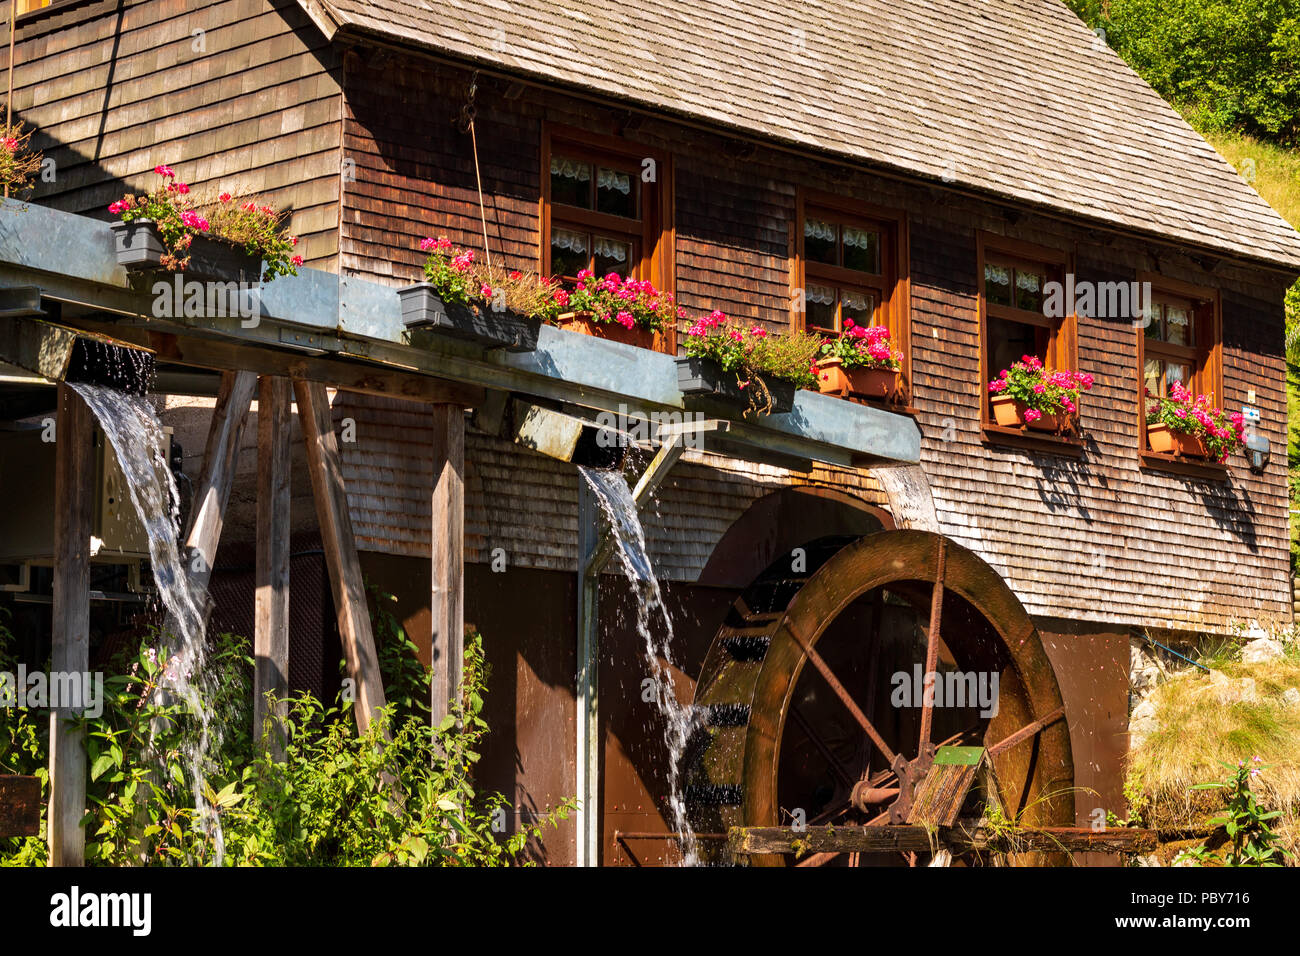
<point>447,599</point>
<point>340,549</point>
<point>271,621</point>
<point>219,461</point>
<point>74,489</point>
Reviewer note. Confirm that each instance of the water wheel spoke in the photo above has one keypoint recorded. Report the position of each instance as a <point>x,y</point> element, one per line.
<point>822,747</point>
<point>1027,731</point>
<point>842,693</point>
<point>932,648</point>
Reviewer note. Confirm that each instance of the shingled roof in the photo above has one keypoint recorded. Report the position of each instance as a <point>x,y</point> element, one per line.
<point>1016,98</point>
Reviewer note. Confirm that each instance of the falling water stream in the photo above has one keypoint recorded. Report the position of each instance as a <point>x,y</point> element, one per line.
<point>620,508</point>
<point>141,446</point>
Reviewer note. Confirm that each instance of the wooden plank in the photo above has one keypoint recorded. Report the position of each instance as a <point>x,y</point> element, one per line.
<point>914,839</point>
<point>271,608</point>
<point>20,806</point>
<point>37,347</point>
<point>447,599</point>
<point>225,433</point>
<point>74,489</point>
<point>322,449</point>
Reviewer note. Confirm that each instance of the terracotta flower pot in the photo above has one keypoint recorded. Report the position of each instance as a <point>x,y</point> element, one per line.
<point>585,324</point>
<point>1010,413</point>
<point>1166,441</point>
<point>834,379</point>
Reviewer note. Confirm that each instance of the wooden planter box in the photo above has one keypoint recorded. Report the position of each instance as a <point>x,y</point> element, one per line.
<point>424,312</point>
<point>584,324</point>
<point>1164,440</point>
<point>140,248</point>
<point>1010,413</point>
<point>834,379</point>
<point>704,378</point>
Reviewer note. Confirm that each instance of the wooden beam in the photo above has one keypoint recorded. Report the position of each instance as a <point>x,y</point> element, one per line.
<point>340,547</point>
<point>37,347</point>
<point>74,489</point>
<point>20,806</point>
<point>447,600</point>
<point>220,458</point>
<point>271,612</point>
<point>914,839</point>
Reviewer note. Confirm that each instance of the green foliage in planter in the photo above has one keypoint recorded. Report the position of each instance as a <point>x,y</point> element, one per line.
<point>339,798</point>
<point>863,346</point>
<point>1194,415</point>
<point>18,161</point>
<point>243,221</point>
<point>753,351</point>
<point>1044,391</point>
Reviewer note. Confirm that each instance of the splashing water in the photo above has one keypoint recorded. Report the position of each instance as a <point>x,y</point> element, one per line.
<point>141,446</point>
<point>620,508</point>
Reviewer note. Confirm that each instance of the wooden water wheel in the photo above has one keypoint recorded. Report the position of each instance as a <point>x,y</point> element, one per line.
<point>810,711</point>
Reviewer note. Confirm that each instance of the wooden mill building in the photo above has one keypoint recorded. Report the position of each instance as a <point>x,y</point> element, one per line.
<point>979,150</point>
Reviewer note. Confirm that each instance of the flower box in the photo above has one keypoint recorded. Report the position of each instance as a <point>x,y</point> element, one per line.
<point>584,323</point>
<point>704,378</point>
<point>1010,413</point>
<point>140,248</point>
<point>834,379</point>
<point>1166,441</point>
<point>423,310</point>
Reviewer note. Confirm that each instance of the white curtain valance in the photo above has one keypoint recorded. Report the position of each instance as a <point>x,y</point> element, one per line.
<point>570,169</point>
<point>567,240</point>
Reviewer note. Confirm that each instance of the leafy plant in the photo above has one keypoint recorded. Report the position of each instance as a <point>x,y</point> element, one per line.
<point>627,302</point>
<point>1043,391</point>
<point>863,346</point>
<point>753,352</point>
<point>179,217</point>
<point>1195,415</point>
<point>1251,840</point>
<point>18,161</point>
<point>403,793</point>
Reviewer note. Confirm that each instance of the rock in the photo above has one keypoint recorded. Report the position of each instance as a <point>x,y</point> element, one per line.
<point>1261,651</point>
<point>1291,697</point>
<point>1229,691</point>
<point>1142,724</point>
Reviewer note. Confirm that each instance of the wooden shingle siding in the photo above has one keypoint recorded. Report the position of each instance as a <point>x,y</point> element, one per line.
<point>113,93</point>
<point>1094,538</point>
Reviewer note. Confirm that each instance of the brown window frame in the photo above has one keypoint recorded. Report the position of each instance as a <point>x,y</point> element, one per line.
<point>1206,359</point>
<point>891,288</point>
<point>1063,333</point>
<point>652,235</point>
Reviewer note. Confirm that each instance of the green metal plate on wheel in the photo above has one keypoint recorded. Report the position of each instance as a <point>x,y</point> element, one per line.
<point>958,756</point>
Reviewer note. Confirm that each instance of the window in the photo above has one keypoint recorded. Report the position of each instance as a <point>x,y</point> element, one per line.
<point>1013,276</point>
<point>848,267</point>
<point>27,6</point>
<point>1178,342</point>
<point>606,206</point>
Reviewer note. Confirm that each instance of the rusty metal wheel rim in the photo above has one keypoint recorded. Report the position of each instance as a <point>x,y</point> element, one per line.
<point>725,789</point>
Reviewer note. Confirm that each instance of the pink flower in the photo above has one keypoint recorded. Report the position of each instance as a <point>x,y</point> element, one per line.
<point>625,319</point>
<point>224,197</point>
<point>561,297</point>
<point>165,171</point>
<point>1040,388</point>
<point>1032,414</point>
<point>586,274</point>
<point>997,385</point>
<point>296,260</point>
<point>9,143</point>
<point>485,290</point>
<point>117,207</point>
